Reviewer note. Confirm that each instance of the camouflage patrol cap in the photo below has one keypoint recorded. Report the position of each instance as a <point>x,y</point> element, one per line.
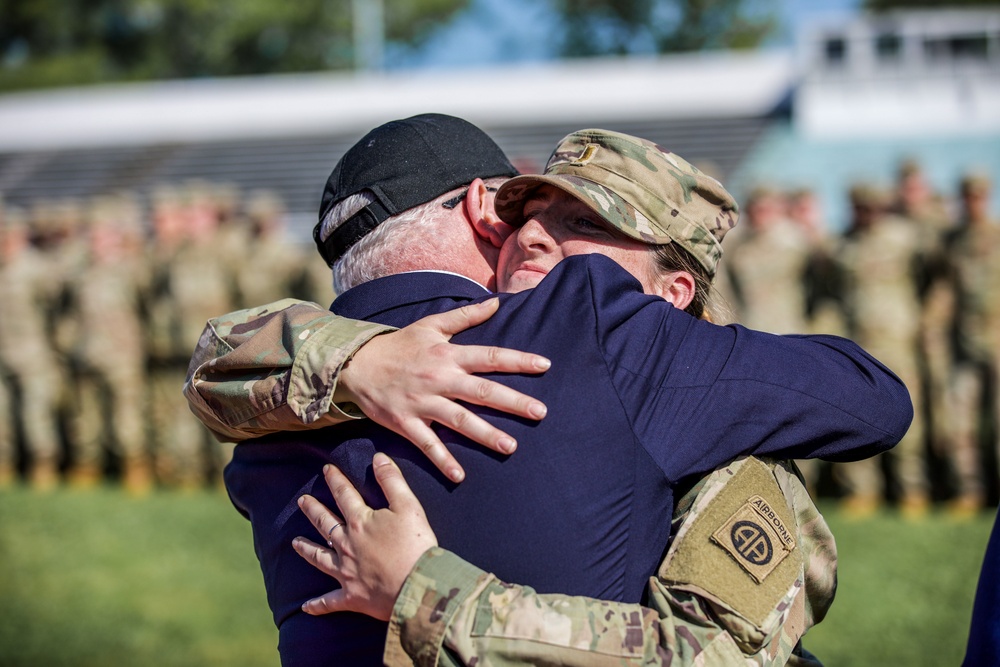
<point>867,195</point>
<point>908,166</point>
<point>638,188</point>
<point>974,183</point>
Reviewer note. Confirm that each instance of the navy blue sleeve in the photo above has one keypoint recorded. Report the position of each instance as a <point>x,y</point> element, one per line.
<point>699,394</point>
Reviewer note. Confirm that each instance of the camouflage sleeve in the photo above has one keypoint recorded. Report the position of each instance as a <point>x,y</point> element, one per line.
<point>273,368</point>
<point>452,613</point>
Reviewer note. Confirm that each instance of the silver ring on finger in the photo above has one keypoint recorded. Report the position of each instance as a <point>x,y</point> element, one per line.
<point>333,528</point>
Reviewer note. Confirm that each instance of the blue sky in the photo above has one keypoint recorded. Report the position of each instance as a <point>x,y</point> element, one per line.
<point>515,31</point>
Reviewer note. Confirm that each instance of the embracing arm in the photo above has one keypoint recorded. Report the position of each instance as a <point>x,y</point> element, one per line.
<point>292,365</point>
<point>449,612</point>
<point>272,368</point>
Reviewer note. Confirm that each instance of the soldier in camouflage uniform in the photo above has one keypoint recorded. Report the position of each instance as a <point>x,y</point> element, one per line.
<point>974,252</point>
<point>824,314</point>
<point>58,235</point>
<point>188,286</point>
<point>108,355</point>
<point>27,292</point>
<point>767,266</point>
<point>916,203</point>
<point>233,235</point>
<point>879,261</point>
<point>8,448</point>
<point>271,268</point>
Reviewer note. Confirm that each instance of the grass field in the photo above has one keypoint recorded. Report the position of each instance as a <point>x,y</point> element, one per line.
<point>97,578</point>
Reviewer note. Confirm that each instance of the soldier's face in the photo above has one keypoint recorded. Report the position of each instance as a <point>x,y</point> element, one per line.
<point>558,225</point>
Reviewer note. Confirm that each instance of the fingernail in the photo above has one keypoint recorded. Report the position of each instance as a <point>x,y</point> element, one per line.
<point>538,410</point>
<point>302,500</point>
<point>543,364</point>
<point>379,460</point>
<point>507,445</point>
<point>326,468</point>
<point>456,475</point>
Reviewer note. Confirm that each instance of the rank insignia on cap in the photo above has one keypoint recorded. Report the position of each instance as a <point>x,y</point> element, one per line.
<point>756,537</point>
<point>589,151</point>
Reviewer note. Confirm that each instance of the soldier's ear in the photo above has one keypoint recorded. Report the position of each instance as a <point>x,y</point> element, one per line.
<point>482,214</point>
<point>677,288</point>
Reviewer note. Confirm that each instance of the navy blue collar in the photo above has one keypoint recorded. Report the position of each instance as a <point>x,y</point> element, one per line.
<point>384,294</point>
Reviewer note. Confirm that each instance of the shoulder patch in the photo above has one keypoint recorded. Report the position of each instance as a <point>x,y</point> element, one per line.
<point>739,542</point>
<point>756,537</point>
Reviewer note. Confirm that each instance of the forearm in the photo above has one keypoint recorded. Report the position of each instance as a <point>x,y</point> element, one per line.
<point>704,608</point>
<point>450,612</point>
<point>272,368</point>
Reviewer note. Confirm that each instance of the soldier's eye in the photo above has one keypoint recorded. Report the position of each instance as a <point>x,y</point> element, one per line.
<point>531,210</point>
<point>587,226</point>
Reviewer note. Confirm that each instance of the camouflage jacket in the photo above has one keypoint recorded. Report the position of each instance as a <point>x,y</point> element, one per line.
<point>752,567</point>
<point>273,368</point>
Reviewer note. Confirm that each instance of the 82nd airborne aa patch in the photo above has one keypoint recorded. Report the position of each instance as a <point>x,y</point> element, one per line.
<point>756,537</point>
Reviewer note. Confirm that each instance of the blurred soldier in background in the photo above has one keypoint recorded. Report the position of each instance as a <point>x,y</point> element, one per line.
<point>232,236</point>
<point>8,458</point>
<point>974,250</point>
<point>8,450</point>
<point>271,269</point>
<point>108,355</point>
<point>176,440</point>
<point>192,285</point>
<point>823,310</point>
<point>26,294</point>
<point>916,202</point>
<point>879,260</point>
<point>766,267</point>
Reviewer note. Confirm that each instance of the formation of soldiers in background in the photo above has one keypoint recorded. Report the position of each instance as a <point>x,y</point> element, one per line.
<point>915,280</point>
<point>103,304</point>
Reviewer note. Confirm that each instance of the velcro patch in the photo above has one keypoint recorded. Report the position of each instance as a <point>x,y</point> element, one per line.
<point>756,537</point>
<point>738,542</point>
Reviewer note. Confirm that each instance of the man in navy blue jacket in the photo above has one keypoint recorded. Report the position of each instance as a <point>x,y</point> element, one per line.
<point>642,397</point>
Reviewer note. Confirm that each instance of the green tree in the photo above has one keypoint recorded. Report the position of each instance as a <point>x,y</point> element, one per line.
<point>596,27</point>
<point>61,42</point>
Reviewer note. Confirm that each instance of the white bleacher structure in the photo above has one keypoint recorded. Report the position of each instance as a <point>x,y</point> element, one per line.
<point>851,98</point>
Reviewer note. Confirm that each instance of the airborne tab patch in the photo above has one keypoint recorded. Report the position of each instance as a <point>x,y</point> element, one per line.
<point>756,537</point>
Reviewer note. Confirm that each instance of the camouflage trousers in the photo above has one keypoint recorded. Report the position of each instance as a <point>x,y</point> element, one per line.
<point>108,417</point>
<point>37,384</point>
<point>969,383</point>
<point>7,453</point>
<point>865,478</point>
<point>185,453</point>
<point>937,366</point>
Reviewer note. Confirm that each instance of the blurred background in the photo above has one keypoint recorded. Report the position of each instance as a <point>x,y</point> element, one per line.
<point>161,163</point>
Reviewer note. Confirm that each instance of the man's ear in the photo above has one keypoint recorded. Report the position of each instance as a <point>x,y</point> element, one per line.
<point>479,208</point>
<point>678,288</point>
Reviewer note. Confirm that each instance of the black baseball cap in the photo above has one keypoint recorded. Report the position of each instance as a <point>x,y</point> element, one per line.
<point>402,164</point>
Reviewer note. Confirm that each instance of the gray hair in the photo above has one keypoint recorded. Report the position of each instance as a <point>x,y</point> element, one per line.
<point>343,211</point>
<point>380,252</point>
